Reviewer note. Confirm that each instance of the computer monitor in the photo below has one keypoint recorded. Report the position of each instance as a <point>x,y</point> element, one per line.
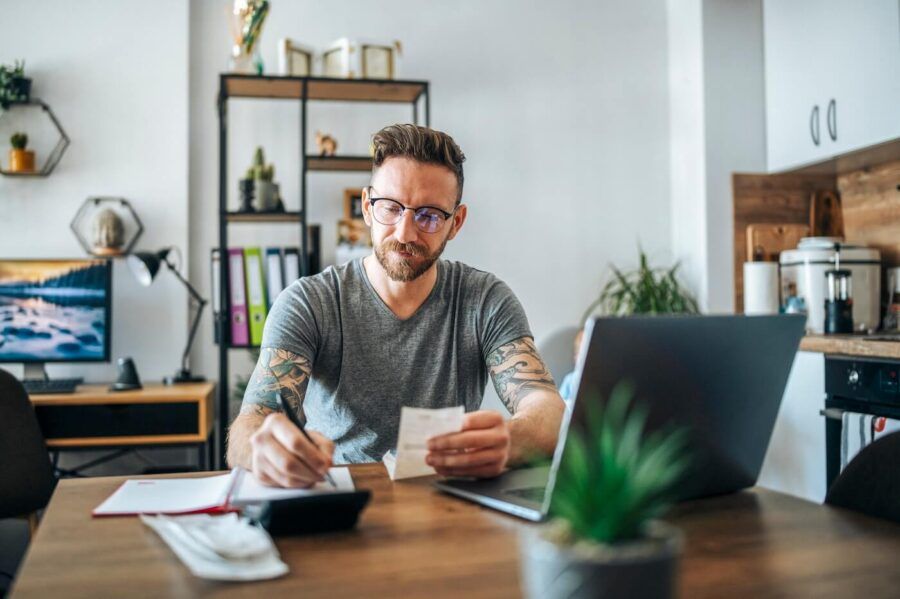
<point>54,311</point>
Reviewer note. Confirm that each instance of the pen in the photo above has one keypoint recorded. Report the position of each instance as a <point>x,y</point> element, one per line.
<point>296,421</point>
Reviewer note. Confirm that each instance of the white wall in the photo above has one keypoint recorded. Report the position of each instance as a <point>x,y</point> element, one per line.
<point>561,109</point>
<point>115,74</point>
<point>718,127</point>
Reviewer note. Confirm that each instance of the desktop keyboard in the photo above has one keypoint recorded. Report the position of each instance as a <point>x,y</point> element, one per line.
<point>43,387</point>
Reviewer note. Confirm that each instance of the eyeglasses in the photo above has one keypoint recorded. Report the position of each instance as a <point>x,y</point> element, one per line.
<point>389,212</point>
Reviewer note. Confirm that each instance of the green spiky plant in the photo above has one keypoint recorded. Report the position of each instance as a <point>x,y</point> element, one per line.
<point>646,290</point>
<point>11,84</point>
<point>260,170</point>
<point>18,141</point>
<point>614,477</point>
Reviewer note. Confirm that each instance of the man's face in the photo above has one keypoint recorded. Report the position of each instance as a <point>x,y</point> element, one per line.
<point>403,250</point>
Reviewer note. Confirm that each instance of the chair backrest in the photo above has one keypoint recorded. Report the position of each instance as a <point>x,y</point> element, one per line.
<point>26,475</point>
<point>871,481</point>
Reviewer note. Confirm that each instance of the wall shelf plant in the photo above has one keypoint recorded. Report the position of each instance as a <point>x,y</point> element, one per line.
<point>15,113</point>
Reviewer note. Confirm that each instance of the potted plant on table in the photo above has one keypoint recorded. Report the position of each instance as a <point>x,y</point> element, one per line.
<point>20,159</point>
<point>604,539</point>
<point>14,86</point>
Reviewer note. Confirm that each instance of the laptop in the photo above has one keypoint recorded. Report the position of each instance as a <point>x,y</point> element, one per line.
<point>721,377</point>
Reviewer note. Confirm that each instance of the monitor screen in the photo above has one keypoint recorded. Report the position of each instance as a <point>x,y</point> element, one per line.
<point>55,310</point>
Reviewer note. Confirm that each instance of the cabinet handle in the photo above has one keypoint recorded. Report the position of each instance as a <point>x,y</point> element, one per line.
<point>831,119</point>
<point>814,124</point>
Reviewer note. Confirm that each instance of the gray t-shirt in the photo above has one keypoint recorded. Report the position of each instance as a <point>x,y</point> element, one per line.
<point>367,363</point>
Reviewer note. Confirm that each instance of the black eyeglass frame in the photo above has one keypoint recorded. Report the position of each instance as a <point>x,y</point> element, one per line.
<point>444,213</point>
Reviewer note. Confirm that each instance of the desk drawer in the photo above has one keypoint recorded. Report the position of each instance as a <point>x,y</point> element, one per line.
<point>118,420</point>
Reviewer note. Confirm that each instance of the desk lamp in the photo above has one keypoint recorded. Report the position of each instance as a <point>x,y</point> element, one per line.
<point>145,266</point>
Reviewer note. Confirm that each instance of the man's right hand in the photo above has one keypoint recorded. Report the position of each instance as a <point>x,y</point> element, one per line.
<point>283,457</point>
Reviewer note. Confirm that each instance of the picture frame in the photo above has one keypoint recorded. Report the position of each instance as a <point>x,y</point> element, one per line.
<point>353,209</point>
<point>366,59</point>
<point>295,59</point>
<point>337,60</point>
<point>378,60</point>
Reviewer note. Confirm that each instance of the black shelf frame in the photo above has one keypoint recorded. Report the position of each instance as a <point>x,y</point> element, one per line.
<point>302,90</point>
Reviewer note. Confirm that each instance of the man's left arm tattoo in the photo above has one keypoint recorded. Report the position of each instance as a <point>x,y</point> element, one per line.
<point>517,370</point>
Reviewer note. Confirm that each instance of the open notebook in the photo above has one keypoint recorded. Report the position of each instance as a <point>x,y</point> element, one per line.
<point>208,495</point>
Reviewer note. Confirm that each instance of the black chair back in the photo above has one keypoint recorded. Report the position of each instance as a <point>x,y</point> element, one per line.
<point>26,475</point>
<point>871,481</point>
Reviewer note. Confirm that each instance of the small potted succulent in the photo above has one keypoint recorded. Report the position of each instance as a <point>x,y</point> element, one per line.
<point>20,159</point>
<point>14,86</point>
<point>604,539</point>
<point>259,183</point>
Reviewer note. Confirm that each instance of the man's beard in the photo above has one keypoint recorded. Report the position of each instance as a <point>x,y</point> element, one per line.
<point>404,270</point>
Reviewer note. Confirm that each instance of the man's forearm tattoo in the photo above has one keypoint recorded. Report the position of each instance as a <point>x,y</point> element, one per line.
<point>278,371</point>
<point>518,370</point>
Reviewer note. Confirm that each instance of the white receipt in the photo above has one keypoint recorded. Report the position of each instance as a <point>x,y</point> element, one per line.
<point>417,426</point>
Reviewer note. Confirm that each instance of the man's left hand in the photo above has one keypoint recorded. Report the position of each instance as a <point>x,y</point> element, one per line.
<point>481,449</point>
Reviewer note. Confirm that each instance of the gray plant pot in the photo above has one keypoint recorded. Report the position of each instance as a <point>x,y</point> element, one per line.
<point>646,568</point>
<point>266,196</point>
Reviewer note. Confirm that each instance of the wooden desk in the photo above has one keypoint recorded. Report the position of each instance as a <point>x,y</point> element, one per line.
<point>71,419</point>
<point>158,415</point>
<point>413,541</point>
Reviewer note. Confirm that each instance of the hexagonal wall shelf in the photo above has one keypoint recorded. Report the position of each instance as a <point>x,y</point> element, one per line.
<point>42,127</point>
<point>107,226</point>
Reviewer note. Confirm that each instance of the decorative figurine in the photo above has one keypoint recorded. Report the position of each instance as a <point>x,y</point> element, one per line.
<point>326,144</point>
<point>108,233</point>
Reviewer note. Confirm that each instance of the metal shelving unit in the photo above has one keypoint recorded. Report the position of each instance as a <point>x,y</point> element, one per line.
<point>301,90</point>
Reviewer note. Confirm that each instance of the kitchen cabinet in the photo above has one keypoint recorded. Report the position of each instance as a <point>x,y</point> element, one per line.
<point>832,72</point>
<point>795,459</point>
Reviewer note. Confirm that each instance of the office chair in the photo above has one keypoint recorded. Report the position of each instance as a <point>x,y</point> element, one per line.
<point>871,481</point>
<point>26,475</point>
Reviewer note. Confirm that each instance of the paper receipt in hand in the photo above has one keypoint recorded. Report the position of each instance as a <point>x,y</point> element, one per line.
<point>417,426</point>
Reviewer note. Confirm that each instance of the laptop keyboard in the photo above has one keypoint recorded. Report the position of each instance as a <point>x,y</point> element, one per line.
<point>535,494</point>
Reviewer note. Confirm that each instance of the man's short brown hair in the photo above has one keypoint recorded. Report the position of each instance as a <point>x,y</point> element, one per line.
<point>422,145</point>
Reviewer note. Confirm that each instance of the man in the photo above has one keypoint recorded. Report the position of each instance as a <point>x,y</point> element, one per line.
<point>347,348</point>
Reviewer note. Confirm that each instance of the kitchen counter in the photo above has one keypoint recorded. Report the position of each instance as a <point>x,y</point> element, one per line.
<point>852,345</point>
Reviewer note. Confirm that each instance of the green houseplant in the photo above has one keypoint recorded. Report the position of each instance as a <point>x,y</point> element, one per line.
<point>614,481</point>
<point>259,181</point>
<point>21,160</point>
<point>645,290</point>
<point>14,86</point>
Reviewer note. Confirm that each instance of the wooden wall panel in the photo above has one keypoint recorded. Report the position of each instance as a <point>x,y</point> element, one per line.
<point>781,198</point>
<point>871,202</point>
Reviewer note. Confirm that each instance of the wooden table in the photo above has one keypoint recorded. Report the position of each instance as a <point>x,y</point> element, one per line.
<point>413,541</point>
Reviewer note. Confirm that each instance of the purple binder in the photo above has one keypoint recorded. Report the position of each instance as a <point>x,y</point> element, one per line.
<point>240,332</point>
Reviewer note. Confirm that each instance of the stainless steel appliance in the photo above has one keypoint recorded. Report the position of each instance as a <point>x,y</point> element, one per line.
<point>803,275</point>
<point>861,385</point>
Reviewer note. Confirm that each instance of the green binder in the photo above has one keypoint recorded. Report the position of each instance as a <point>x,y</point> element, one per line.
<point>256,293</point>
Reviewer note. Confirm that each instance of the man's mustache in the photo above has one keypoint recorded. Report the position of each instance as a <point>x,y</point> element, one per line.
<point>409,248</point>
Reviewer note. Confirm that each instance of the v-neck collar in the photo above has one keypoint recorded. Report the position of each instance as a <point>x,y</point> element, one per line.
<point>361,270</point>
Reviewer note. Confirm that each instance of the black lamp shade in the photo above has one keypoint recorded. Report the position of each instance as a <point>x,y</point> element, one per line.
<point>144,266</point>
